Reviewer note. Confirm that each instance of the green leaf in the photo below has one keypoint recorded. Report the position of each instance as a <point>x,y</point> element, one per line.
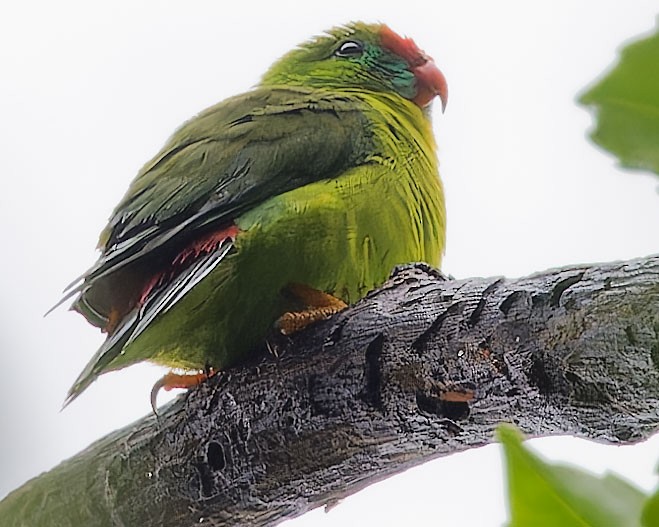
<point>542,493</point>
<point>626,106</point>
<point>650,517</point>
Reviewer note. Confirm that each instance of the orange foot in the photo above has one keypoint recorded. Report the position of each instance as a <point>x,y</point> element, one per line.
<point>173,380</point>
<point>320,306</point>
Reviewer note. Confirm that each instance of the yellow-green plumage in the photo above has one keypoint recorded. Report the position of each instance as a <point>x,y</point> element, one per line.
<point>330,182</point>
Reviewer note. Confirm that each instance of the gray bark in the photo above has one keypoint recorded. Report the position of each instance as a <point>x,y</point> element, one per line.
<point>421,368</point>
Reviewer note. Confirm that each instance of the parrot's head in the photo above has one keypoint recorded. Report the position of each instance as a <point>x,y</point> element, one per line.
<point>362,56</point>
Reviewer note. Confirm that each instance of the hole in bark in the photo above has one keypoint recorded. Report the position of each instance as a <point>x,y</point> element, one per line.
<point>455,411</point>
<point>372,374</point>
<point>476,314</point>
<point>561,287</point>
<point>428,405</point>
<point>205,479</point>
<point>454,310</point>
<point>449,409</point>
<point>420,343</point>
<point>539,377</point>
<point>511,300</point>
<point>215,456</point>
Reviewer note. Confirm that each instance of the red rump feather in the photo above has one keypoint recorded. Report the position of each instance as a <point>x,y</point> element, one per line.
<point>430,81</point>
<point>206,244</point>
<point>200,246</point>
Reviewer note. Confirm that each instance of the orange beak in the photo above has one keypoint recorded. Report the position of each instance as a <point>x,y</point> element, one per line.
<point>430,82</point>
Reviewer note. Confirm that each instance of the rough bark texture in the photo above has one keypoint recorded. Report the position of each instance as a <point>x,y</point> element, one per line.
<point>421,368</point>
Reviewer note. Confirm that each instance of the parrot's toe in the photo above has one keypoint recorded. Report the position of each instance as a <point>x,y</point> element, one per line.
<point>319,306</point>
<point>173,380</point>
<point>295,321</point>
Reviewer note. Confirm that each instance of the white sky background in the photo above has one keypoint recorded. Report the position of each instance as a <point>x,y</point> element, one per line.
<point>90,91</point>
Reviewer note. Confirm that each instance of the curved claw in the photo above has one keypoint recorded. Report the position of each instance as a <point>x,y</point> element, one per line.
<point>160,383</point>
<point>173,380</point>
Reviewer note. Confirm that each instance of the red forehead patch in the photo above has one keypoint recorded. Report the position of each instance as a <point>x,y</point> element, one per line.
<point>403,47</point>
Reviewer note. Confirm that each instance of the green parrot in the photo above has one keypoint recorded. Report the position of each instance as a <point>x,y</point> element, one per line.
<point>278,206</point>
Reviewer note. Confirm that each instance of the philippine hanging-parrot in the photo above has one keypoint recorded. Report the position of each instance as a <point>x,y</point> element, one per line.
<point>305,191</point>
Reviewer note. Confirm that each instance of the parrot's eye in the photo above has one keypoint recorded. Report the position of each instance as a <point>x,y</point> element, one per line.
<point>350,48</point>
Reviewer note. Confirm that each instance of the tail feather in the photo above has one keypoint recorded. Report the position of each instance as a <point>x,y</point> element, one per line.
<point>99,363</point>
<point>160,300</point>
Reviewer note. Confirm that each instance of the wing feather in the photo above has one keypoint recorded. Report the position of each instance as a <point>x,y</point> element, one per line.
<point>225,161</point>
<point>134,323</point>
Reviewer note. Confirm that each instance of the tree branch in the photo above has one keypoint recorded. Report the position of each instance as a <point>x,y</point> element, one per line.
<point>421,368</point>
